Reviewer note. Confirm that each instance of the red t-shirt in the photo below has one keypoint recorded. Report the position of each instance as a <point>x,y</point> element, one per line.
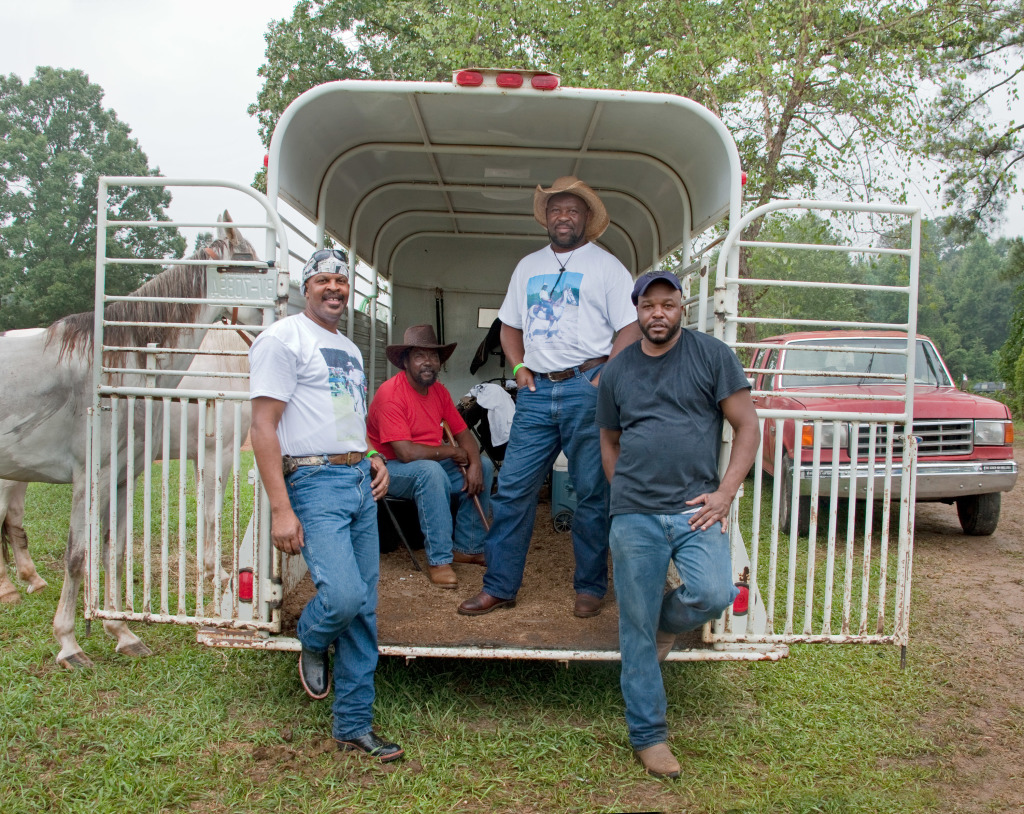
<point>399,413</point>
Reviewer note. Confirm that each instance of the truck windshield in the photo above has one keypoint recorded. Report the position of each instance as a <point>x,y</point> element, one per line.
<point>850,361</point>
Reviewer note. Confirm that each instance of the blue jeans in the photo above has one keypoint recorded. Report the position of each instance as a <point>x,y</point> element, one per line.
<point>642,545</point>
<point>339,525</point>
<point>557,416</point>
<point>431,484</point>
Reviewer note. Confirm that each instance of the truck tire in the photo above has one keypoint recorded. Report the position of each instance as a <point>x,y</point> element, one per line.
<point>979,514</point>
<point>803,520</point>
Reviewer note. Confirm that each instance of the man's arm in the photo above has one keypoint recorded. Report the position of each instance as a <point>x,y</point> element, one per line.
<point>623,339</point>
<point>610,451</point>
<point>739,411</point>
<point>285,528</point>
<point>407,451</point>
<point>515,350</point>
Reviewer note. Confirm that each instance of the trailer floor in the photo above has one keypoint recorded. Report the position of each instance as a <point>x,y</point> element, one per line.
<point>412,611</point>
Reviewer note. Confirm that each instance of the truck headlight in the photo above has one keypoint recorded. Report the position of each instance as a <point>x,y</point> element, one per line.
<point>993,433</point>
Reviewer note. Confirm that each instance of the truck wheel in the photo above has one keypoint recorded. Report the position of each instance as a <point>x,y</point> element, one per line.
<point>803,520</point>
<point>562,522</point>
<point>979,514</point>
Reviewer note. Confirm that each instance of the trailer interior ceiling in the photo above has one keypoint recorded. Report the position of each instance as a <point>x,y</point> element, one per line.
<point>394,170</point>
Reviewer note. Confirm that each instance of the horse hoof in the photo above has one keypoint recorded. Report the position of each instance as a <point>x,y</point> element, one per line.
<point>76,661</point>
<point>12,598</point>
<point>36,585</point>
<point>134,649</point>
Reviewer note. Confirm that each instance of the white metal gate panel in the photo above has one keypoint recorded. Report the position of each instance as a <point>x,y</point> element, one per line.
<point>845,577</point>
<point>171,548</point>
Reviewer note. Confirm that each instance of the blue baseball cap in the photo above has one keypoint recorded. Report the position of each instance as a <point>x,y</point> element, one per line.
<point>645,280</point>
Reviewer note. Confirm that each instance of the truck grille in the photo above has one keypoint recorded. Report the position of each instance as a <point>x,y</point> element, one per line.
<point>955,437</point>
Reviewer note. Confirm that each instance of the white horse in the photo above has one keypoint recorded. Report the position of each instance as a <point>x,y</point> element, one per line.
<point>211,360</point>
<point>46,387</point>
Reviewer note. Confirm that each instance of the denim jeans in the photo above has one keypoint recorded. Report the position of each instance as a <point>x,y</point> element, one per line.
<point>642,545</point>
<point>342,552</point>
<point>557,416</point>
<point>431,484</point>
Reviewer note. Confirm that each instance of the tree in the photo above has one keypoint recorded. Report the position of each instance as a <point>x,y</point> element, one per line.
<point>982,67</point>
<point>56,139</point>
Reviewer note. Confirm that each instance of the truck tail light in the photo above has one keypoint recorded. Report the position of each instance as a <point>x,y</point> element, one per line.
<point>544,81</point>
<point>245,585</point>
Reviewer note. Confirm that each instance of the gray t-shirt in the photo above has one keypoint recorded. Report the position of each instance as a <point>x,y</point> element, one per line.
<point>667,408</point>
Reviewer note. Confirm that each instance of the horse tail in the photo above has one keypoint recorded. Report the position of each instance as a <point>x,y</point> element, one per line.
<point>5,540</point>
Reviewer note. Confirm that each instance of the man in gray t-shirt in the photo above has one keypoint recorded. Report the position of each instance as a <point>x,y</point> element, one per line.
<point>661,404</point>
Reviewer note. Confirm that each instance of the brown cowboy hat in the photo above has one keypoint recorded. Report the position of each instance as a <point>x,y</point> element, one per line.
<point>598,220</point>
<point>418,336</point>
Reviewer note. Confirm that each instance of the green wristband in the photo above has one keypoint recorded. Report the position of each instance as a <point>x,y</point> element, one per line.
<point>515,370</point>
<point>371,452</point>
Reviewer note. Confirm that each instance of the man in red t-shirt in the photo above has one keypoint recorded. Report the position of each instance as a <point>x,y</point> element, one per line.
<point>404,426</point>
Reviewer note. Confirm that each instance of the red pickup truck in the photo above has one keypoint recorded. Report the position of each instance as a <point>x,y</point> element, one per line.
<point>965,442</point>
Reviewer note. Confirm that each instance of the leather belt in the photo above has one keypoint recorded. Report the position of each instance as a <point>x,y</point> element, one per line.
<point>290,464</point>
<point>568,373</point>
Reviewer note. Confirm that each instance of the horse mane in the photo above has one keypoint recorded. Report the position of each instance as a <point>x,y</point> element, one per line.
<point>77,331</point>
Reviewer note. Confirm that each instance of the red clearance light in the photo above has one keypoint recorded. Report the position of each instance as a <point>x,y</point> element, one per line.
<point>544,82</point>
<point>245,585</point>
<point>743,178</point>
<point>266,160</point>
<point>469,79</point>
<point>510,80</point>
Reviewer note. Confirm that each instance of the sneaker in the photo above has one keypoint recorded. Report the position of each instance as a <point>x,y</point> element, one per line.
<point>658,761</point>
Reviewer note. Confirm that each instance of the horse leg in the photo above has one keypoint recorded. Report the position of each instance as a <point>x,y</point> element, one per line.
<point>8,590</point>
<point>128,644</point>
<point>70,656</point>
<point>14,528</point>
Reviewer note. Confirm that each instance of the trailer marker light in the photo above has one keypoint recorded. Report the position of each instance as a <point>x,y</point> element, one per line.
<point>743,178</point>
<point>266,160</point>
<point>544,82</point>
<point>509,80</point>
<point>469,79</point>
<point>245,585</point>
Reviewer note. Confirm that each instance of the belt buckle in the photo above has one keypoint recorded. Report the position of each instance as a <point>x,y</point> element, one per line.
<point>288,465</point>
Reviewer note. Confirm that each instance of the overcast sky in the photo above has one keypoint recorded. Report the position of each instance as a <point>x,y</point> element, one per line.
<point>181,74</point>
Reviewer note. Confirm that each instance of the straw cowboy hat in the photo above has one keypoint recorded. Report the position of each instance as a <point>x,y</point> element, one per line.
<point>598,220</point>
<point>418,336</point>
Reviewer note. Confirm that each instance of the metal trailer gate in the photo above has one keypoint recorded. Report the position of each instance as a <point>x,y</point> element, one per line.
<point>156,574</point>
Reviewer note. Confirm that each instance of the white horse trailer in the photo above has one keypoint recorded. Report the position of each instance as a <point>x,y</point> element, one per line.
<point>431,186</point>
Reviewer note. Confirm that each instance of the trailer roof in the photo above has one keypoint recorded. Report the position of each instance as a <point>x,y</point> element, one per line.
<point>389,167</point>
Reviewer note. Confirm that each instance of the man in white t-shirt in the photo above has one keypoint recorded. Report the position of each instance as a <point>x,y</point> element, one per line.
<point>567,311</point>
<point>308,393</point>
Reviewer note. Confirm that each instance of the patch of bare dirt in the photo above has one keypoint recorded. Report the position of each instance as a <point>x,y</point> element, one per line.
<point>969,605</point>
<point>413,611</point>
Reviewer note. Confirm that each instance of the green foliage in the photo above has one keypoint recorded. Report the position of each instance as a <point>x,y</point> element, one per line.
<point>56,140</point>
<point>981,69</point>
<point>813,91</point>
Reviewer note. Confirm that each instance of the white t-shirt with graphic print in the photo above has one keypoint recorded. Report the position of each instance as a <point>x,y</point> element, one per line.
<point>320,375</point>
<point>571,316</point>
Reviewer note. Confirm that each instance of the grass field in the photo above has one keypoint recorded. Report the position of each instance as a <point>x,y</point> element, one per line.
<point>830,729</point>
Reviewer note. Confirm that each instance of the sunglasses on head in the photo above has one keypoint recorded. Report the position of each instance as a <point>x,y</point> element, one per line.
<point>324,254</point>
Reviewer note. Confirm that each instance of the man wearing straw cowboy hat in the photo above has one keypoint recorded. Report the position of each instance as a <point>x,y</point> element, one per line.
<point>404,425</point>
<point>557,343</point>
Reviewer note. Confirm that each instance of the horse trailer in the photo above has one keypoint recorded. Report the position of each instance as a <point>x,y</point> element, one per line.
<point>430,186</point>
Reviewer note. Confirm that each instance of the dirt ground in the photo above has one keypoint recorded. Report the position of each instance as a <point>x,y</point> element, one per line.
<point>967,613</point>
<point>969,604</point>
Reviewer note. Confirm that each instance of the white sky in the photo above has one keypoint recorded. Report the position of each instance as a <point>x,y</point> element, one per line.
<point>181,74</point>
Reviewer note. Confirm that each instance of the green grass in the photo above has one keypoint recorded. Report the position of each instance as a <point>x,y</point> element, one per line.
<point>830,729</point>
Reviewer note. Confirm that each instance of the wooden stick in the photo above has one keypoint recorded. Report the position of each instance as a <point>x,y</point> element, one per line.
<point>450,438</point>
